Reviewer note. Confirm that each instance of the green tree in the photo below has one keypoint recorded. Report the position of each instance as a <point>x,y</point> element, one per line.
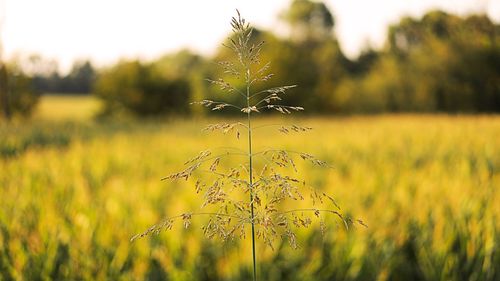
<point>308,20</point>
<point>4,93</point>
<point>81,78</point>
<point>185,65</point>
<point>142,90</point>
<point>456,59</point>
<point>19,97</point>
<point>440,62</point>
<point>315,59</point>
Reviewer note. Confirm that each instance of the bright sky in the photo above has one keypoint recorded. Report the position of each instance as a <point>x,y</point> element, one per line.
<point>106,30</point>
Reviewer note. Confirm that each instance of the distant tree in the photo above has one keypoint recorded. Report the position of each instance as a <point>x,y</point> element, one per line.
<point>47,79</point>
<point>364,62</point>
<point>308,20</point>
<point>315,60</point>
<point>440,62</point>
<point>141,89</point>
<point>81,78</point>
<point>180,64</point>
<point>19,97</point>
<point>187,66</point>
<point>4,92</point>
<point>5,107</point>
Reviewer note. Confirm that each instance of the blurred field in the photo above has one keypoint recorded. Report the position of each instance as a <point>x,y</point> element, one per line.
<point>67,107</point>
<point>72,195</point>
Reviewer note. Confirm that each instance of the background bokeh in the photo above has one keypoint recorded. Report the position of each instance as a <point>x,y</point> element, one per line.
<point>411,128</point>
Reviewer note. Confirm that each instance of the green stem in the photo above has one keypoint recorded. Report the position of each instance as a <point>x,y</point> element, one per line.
<point>251,178</point>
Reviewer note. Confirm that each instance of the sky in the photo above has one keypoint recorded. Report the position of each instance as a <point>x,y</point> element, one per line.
<point>105,31</point>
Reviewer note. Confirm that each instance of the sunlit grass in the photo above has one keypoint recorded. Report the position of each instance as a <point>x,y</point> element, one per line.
<point>67,107</point>
<point>427,186</point>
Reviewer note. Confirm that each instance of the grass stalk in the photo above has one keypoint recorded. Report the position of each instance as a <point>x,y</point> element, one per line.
<point>250,174</point>
<point>271,189</point>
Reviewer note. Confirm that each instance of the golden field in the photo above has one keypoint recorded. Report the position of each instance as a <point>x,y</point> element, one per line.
<point>74,192</point>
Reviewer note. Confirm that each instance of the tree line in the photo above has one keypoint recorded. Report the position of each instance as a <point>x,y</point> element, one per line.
<point>439,62</point>
<point>79,80</point>
<point>23,80</point>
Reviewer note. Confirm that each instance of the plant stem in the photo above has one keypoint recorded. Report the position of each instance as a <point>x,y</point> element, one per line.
<point>250,180</point>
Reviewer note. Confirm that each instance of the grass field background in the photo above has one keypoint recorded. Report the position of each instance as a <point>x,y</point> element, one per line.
<point>59,107</point>
<point>73,191</point>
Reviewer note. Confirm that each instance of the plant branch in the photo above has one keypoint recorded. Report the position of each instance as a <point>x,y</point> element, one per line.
<point>167,223</point>
<point>276,90</point>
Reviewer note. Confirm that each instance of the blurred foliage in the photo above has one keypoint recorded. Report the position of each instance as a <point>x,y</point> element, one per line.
<point>308,20</point>
<point>438,63</point>
<point>427,186</point>
<point>79,80</point>
<point>189,67</point>
<point>16,140</point>
<point>310,58</point>
<point>141,89</point>
<point>17,94</point>
<point>47,79</point>
<point>4,94</point>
